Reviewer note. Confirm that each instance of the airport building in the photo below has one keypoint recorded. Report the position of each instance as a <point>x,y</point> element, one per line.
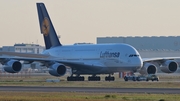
<point>154,46</point>
<point>24,48</point>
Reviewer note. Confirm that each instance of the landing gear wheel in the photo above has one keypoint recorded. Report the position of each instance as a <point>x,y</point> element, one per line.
<point>73,78</point>
<point>109,78</point>
<point>94,78</point>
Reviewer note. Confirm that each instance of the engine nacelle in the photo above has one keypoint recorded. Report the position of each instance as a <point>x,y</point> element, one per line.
<point>169,66</point>
<point>148,68</point>
<point>13,66</point>
<point>57,69</point>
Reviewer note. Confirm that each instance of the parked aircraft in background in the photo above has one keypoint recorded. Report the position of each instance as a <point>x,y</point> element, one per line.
<point>85,59</point>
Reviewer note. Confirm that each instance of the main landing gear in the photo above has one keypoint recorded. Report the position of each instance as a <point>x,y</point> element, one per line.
<point>94,78</point>
<point>109,78</point>
<point>90,78</point>
<point>75,78</point>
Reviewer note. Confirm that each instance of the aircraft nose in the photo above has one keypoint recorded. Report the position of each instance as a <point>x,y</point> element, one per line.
<point>139,63</point>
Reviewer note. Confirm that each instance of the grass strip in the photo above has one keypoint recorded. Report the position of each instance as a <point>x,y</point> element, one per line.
<point>71,96</point>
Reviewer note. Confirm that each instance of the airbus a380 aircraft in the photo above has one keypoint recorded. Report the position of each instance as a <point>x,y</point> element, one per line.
<point>91,59</point>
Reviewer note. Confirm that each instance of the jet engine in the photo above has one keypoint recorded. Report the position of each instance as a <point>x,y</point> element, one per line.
<point>57,69</point>
<point>148,68</point>
<point>169,66</point>
<point>12,66</point>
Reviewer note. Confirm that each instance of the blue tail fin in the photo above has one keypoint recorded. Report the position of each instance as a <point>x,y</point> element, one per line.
<point>46,27</point>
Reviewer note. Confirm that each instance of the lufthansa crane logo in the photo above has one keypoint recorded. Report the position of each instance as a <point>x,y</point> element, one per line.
<point>45,26</point>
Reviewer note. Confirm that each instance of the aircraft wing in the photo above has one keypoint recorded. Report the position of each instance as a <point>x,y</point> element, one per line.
<point>42,58</point>
<point>159,59</point>
<point>165,64</point>
<point>47,58</point>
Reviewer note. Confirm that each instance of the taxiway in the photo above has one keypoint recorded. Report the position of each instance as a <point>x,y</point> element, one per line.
<point>91,89</point>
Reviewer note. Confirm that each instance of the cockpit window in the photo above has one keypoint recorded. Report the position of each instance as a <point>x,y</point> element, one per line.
<point>133,55</point>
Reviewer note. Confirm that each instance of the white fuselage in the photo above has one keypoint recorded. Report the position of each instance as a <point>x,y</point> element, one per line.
<point>99,58</point>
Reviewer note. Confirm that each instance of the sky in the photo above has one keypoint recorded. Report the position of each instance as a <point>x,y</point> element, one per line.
<point>78,21</point>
